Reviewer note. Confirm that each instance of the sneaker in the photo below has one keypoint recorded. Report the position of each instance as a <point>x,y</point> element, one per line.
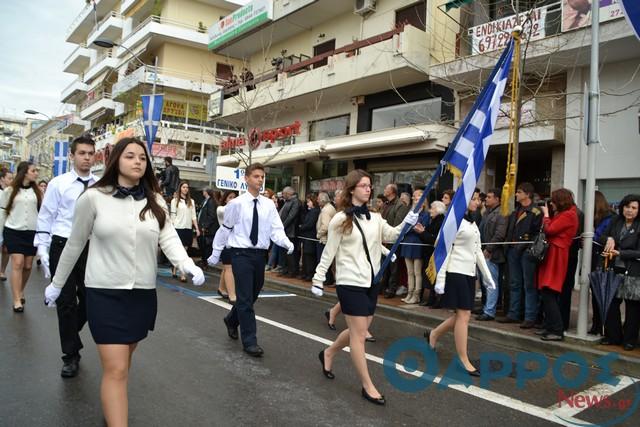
<point>277,270</point>
<point>402,290</point>
<point>267,268</point>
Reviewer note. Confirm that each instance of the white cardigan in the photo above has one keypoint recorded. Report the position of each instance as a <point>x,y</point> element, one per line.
<point>465,255</point>
<point>352,267</point>
<point>24,210</point>
<point>183,216</point>
<point>122,249</point>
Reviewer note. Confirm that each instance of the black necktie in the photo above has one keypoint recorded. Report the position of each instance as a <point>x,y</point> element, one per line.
<point>85,183</point>
<point>254,224</point>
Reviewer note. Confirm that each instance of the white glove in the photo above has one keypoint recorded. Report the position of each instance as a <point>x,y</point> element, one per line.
<point>394,258</point>
<point>43,253</point>
<point>490,284</point>
<point>196,272</point>
<point>290,248</point>
<point>213,259</point>
<point>51,294</point>
<point>439,288</point>
<point>411,218</point>
<point>316,289</point>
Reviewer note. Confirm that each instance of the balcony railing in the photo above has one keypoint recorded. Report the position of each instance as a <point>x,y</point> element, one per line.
<point>80,46</point>
<point>161,20</point>
<point>83,13</point>
<point>94,99</point>
<point>80,79</point>
<point>109,15</point>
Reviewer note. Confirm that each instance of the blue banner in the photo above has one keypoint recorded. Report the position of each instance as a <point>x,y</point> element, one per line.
<point>631,10</point>
<point>151,115</point>
<point>60,157</point>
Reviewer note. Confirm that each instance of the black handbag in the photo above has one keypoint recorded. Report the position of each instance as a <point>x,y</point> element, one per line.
<point>538,250</point>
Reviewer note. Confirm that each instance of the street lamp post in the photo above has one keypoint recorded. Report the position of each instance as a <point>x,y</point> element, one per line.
<point>34,112</point>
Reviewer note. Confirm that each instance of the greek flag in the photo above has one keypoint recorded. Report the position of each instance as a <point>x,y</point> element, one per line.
<point>631,10</point>
<point>60,157</point>
<point>470,153</point>
<point>151,115</point>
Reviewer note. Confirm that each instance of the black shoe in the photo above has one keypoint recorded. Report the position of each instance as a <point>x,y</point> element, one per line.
<point>70,368</point>
<point>389,293</point>
<point>477,311</point>
<point>474,373</point>
<point>370,339</point>
<point>427,335</point>
<point>507,319</point>
<point>231,331</point>
<point>254,350</point>
<point>527,324</point>
<point>607,341</point>
<point>595,330</point>
<point>223,296</point>
<point>23,301</point>
<point>326,373</point>
<point>552,337</point>
<point>542,332</point>
<point>484,317</point>
<point>330,325</point>
<point>629,347</point>
<point>18,309</point>
<point>377,400</point>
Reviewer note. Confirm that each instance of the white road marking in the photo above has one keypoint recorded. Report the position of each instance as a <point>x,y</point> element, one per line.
<point>594,394</point>
<point>547,414</point>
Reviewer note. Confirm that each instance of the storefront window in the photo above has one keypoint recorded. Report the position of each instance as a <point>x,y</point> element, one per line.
<point>407,181</point>
<point>423,111</point>
<point>327,128</point>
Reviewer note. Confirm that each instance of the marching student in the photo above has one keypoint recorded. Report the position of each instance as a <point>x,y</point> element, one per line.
<point>127,218</point>
<point>250,222</point>
<point>355,241</point>
<point>52,231</point>
<point>184,219</point>
<point>19,205</point>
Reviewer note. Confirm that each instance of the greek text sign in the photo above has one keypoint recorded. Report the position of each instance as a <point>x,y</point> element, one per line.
<point>496,34</point>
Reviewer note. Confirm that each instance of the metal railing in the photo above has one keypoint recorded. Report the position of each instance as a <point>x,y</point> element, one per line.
<point>97,28</point>
<point>89,102</point>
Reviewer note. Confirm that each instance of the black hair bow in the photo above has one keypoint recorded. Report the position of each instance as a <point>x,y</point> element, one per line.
<point>359,210</point>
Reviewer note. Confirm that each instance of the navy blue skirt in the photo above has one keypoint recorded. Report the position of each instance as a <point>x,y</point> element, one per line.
<point>225,256</point>
<point>358,301</point>
<point>121,316</point>
<point>19,241</point>
<point>459,292</point>
<point>186,236</point>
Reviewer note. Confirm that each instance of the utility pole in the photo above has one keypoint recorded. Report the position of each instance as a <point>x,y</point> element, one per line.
<point>590,187</point>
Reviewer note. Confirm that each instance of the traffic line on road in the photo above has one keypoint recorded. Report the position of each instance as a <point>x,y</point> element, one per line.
<point>594,394</point>
<point>546,414</point>
<point>198,294</point>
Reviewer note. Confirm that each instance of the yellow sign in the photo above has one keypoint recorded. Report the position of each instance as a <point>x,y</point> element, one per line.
<point>179,109</point>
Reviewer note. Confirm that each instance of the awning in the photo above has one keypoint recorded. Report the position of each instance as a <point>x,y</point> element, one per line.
<point>276,155</point>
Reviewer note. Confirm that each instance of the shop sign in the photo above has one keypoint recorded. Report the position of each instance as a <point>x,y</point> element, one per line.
<point>168,150</point>
<point>231,179</point>
<point>496,34</point>
<point>240,21</point>
<point>257,137</point>
<point>214,106</point>
<point>573,18</point>
<point>179,109</point>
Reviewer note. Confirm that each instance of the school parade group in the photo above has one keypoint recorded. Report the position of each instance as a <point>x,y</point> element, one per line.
<point>99,239</point>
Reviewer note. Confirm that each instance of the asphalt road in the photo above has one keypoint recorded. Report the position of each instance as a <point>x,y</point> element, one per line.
<point>189,373</point>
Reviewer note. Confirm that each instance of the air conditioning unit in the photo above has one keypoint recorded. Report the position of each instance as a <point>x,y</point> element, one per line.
<point>364,7</point>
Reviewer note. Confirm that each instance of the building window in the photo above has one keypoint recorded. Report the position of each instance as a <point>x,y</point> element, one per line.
<point>415,15</point>
<point>224,71</point>
<point>325,47</point>
<point>412,113</point>
<point>327,128</point>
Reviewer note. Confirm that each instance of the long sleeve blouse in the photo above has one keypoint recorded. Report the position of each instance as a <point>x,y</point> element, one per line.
<point>24,210</point>
<point>123,249</point>
<point>182,216</point>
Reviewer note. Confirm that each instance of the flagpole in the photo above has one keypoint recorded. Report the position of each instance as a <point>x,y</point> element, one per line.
<point>153,96</point>
<point>590,187</point>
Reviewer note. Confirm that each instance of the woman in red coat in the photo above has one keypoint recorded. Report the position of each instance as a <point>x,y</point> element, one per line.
<point>560,231</point>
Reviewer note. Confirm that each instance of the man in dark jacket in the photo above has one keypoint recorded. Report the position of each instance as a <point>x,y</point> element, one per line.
<point>394,212</point>
<point>290,214</point>
<point>524,225</point>
<point>170,178</point>
<point>493,229</point>
<point>208,223</point>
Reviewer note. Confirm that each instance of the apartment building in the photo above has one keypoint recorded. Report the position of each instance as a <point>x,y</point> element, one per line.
<point>556,70</point>
<point>161,41</point>
<point>40,143</point>
<point>326,86</point>
<point>12,132</point>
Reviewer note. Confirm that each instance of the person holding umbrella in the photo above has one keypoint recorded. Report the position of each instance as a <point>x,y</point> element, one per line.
<point>623,242</point>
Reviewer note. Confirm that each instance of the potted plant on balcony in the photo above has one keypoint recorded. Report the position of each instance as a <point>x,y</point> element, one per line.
<point>201,27</point>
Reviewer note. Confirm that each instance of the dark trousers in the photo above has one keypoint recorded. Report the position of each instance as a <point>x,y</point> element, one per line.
<point>613,328</point>
<point>293,259</point>
<point>71,304</point>
<point>329,279</point>
<point>205,243</point>
<point>248,273</point>
<point>552,315</point>
<point>391,277</point>
<point>567,288</point>
<point>309,264</point>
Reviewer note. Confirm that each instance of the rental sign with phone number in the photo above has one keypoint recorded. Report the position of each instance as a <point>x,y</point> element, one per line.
<point>496,34</point>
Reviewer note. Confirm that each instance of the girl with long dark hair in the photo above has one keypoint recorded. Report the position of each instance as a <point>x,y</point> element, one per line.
<point>184,219</point>
<point>355,241</point>
<point>19,206</point>
<point>127,219</point>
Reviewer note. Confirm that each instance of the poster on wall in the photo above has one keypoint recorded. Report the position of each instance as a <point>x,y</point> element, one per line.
<point>577,13</point>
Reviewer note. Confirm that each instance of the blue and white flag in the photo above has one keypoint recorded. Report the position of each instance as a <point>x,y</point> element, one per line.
<point>60,157</point>
<point>470,153</point>
<point>151,115</point>
<point>631,10</point>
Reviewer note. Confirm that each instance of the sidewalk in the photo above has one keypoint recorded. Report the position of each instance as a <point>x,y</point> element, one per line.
<point>510,335</point>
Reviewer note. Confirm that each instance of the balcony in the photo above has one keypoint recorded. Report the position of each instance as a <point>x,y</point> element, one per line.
<point>109,28</point>
<point>103,62</point>
<point>403,52</point>
<point>74,125</point>
<point>85,22</point>
<point>93,108</point>
<point>73,93</point>
<point>289,18</point>
<point>166,78</point>
<point>78,60</point>
<point>126,6</point>
<point>167,29</point>
<point>549,51</point>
